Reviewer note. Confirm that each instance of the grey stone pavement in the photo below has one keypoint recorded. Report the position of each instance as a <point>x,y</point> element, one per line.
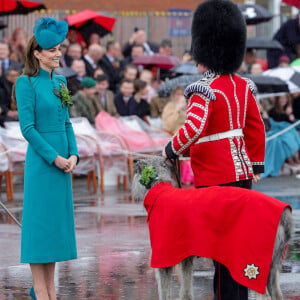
<point>114,250</point>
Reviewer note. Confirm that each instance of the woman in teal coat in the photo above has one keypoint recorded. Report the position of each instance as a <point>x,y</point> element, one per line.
<point>48,231</point>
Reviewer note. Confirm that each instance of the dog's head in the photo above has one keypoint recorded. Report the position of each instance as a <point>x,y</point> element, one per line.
<point>147,173</point>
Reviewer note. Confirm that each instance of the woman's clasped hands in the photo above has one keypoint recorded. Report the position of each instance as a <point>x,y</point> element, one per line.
<point>67,165</point>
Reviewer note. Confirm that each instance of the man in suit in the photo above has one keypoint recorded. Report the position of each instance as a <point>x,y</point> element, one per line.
<point>108,65</point>
<point>112,53</point>
<point>64,58</point>
<point>124,101</point>
<point>8,107</point>
<point>165,48</point>
<point>289,37</point>
<point>139,37</point>
<point>131,72</point>
<point>137,50</point>
<point>78,66</point>
<point>74,51</point>
<point>5,62</point>
<point>104,98</point>
<point>92,58</point>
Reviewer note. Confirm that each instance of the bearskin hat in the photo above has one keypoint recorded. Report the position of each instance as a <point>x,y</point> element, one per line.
<point>218,36</point>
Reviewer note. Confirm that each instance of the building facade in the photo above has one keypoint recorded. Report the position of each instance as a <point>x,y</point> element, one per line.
<point>125,5</point>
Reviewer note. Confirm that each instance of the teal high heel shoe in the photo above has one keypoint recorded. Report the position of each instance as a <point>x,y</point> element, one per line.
<point>32,294</point>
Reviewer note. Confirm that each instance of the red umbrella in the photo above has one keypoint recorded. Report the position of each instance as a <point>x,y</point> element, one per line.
<point>295,3</point>
<point>89,21</point>
<point>16,7</point>
<point>158,60</point>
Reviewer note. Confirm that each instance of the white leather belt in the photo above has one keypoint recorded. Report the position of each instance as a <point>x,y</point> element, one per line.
<point>221,135</point>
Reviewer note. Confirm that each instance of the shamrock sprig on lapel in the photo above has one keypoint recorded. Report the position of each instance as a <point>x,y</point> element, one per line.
<point>64,94</point>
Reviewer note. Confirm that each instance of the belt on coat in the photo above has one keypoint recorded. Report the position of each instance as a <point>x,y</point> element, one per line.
<point>221,135</point>
<point>51,128</point>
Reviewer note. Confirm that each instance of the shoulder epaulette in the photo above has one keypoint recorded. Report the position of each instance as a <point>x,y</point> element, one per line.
<point>252,85</point>
<point>201,87</point>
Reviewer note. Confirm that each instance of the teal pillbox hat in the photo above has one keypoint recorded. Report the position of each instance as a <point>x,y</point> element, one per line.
<point>88,82</point>
<point>50,32</point>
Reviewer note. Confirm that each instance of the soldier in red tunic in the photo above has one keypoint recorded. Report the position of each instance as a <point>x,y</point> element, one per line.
<point>223,130</point>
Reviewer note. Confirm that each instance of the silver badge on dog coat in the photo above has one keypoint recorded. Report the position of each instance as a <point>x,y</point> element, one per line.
<point>251,271</point>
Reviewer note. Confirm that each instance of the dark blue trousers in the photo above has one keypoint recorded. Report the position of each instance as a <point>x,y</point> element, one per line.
<point>225,288</point>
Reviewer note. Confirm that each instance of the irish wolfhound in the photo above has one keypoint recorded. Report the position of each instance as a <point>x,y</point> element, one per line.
<point>163,172</point>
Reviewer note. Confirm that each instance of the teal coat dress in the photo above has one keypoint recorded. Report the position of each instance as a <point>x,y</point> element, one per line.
<point>48,231</point>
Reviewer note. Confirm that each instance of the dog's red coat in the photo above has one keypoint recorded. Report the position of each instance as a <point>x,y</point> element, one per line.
<point>234,226</point>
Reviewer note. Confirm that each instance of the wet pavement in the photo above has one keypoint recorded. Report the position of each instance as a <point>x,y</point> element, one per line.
<point>114,250</point>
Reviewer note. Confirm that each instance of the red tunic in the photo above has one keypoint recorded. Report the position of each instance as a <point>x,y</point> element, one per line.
<point>234,226</point>
<point>216,104</point>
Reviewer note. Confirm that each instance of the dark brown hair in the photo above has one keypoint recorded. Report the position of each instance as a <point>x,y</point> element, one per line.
<point>139,85</point>
<point>125,80</point>
<point>136,45</point>
<point>101,78</point>
<point>130,66</point>
<point>31,65</point>
<point>279,109</point>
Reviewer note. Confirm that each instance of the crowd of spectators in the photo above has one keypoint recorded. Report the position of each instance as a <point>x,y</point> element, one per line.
<point>106,80</point>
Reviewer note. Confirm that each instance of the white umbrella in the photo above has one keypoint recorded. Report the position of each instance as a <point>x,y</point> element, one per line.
<point>291,75</point>
<point>254,13</point>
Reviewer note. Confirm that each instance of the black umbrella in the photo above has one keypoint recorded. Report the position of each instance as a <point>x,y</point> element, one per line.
<point>166,88</point>
<point>263,43</point>
<point>66,72</point>
<point>268,84</point>
<point>290,75</point>
<point>185,68</point>
<point>254,13</point>
<point>18,7</point>
<point>89,21</point>
<point>265,84</point>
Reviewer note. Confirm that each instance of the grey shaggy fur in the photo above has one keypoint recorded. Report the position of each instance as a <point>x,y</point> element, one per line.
<point>164,275</point>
